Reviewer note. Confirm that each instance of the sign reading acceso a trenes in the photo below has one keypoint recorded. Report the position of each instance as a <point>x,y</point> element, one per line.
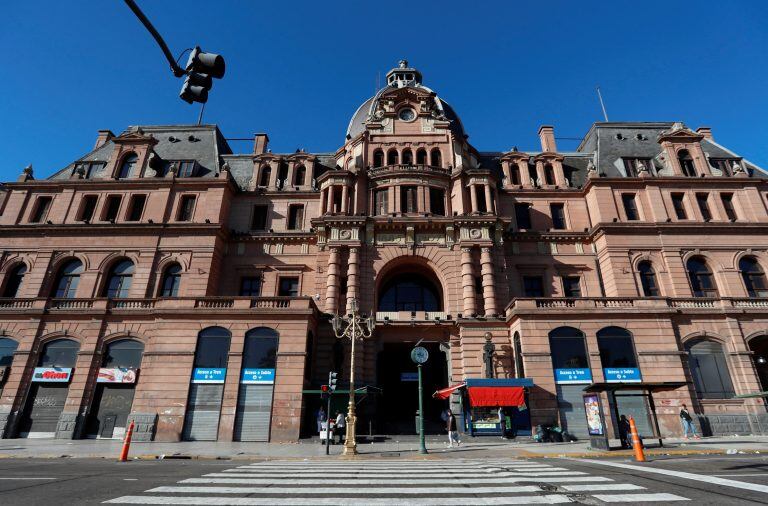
<point>258,377</point>
<point>52,374</point>
<point>565,376</point>
<point>622,374</point>
<point>209,375</point>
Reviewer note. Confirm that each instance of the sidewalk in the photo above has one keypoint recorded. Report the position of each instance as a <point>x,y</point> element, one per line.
<point>397,447</point>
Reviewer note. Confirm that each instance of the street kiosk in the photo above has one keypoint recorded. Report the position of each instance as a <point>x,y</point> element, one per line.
<point>481,399</point>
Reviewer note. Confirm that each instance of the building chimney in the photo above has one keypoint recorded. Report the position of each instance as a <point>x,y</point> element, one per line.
<point>706,132</point>
<point>547,138</point>
<point>260,142</point>
<point>103,137</point>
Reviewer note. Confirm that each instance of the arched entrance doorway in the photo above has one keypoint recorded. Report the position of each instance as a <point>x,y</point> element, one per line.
<point>405,294</point>
<point>759,347</point>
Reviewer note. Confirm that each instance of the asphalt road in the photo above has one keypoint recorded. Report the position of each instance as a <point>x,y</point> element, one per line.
<point>721,480</point>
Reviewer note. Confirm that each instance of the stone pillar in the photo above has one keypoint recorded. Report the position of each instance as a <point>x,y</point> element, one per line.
<point>525,177</point>
<point>427,200</point>
<point>323,201</point>
<point>468,282</point>
<point>332,290</point>
<point>473,198</point>
<point>345,199</point>
<point>329,208</point>
<point>352,277</point>
<point>488,198</point>
<point>489,286</point>
<point>507,174</point>
<point>542,181</point>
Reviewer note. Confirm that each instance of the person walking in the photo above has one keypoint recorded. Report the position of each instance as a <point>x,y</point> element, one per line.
<point>502,422</point>
<point>624,430</point>
<point>340,425</point>
<point>687,422</point>
<point>321,418</point>
<point>453,433</point>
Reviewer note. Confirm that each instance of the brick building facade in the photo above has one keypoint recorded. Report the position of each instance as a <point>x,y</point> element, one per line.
<point>163,278</point>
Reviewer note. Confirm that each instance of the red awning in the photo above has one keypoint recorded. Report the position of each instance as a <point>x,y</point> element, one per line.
<point>496,396</point>
<point>446,392</point>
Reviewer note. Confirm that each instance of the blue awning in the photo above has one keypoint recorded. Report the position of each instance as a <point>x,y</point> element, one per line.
<point>492,382</point>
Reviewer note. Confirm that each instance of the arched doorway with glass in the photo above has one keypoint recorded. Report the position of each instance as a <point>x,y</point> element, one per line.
<point>759,347</point>
<point>206,387</point>
<point>115,387</point>
<point>257,381</point>
<point>570,363</point>
<point>49,388</point>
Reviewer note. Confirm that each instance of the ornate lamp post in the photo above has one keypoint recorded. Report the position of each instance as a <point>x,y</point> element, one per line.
<point>354,326</point>
<point>489,349</point>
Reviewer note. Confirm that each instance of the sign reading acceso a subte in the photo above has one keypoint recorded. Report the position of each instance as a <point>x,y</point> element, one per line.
<point>622,375</point>
<point>258,377</point>
<point>209,375</point>
<point>575,375</point>
<point>52,374</point>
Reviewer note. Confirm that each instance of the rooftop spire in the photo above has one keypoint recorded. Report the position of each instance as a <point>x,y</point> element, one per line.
<point>403,75</point>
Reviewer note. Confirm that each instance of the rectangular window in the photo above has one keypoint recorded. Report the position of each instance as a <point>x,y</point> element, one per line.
<point>289,287</point>
<point>136,208</point>
<point>558,216</point>
<point>259,218</point>
<point>90,169</point>
<point>730,210</point>
<point>523,216</point>
<point>702,199</point>
<point>633,166</point>
<point>295,217</point>
<point>250,287</point>
<point>42,206</point>
<point>679,205</point>
<point>533,286</point>
<point>724,165</point>
<point>186,168</point>
<point>571,286</point>
<point>381,202</point>
<point>630,206</point>
<point>408,199</point>
<point>437,201</point>
<point>112,207</point>
<point>186,208</point>
<point>87,207</point>
<point>482,205</point>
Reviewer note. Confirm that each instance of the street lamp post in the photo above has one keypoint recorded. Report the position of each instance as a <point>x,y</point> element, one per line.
<point>354,326</point>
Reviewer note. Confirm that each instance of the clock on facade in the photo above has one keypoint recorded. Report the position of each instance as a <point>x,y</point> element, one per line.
<point>407,114</point>
<point>419,354</point>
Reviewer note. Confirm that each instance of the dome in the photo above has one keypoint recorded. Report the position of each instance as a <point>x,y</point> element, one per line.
<point>402,77</point>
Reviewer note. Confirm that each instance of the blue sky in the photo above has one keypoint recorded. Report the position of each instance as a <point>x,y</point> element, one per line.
<point>298,70</point>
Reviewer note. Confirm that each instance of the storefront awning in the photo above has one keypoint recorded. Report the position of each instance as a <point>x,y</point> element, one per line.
<point>446,392</point>
<point>496,396</point>
<point>659,386</point>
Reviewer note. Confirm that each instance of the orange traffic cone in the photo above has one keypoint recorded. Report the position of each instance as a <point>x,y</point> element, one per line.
<point>636,443</point>
<point>126,443</point>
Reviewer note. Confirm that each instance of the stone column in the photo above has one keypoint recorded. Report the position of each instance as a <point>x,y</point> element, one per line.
<point>488,199</point>
<point>473,198</point>
<point>542,181</point>
<point>525,177</point>
<point>329,208</point>
<point>332,290</point>
<point>352,277</point>
<point>345,198</point>
<point>468,282</point>
<point>489,286</point>
<point>323,201</point>
<point>507,173</point>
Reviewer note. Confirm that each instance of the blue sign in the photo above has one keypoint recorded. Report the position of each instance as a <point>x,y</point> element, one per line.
<point>258,377</point>
<point>565,376</point>
<point>209,375</point>
<point>409,376</point>
<point>622,375</point>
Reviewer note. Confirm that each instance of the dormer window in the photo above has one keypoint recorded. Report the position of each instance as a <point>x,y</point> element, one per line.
<point>187,168</point>
<point>90,169</point>
<point>127,166</point>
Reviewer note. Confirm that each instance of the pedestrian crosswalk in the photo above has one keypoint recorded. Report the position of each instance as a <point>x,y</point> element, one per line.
<point>376,482</point>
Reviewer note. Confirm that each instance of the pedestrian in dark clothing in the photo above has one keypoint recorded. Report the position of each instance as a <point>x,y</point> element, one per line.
<point>453,432</point>
<point>624,430</point>
<point>687,422</point>
<point>502,423</point>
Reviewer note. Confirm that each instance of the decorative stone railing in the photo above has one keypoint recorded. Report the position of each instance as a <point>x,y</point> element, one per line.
<point>161,304</point>
<point>70,304</point>
<point>405,316</point>
<point>13,303</point>
<point>132,304</point>
<point>635,303</point>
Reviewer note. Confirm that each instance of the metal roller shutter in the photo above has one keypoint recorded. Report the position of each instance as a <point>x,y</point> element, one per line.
<point>637,408</point>
<point>570,400</point>
<point>203,410</point>
<point>254,412</point>
<point>46,404</point>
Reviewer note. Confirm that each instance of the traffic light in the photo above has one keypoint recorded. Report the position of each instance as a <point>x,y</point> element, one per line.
<point>201,69</point>
<point>323,392</point>
<point>332,380</point>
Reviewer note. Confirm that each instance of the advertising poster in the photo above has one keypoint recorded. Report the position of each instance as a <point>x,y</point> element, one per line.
<point>116,375</point>
<point>594,420</point>
<point>52,374</point>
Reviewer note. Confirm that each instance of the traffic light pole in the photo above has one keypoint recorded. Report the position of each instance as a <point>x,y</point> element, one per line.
<point>177,71</point>
<point>328,425</point>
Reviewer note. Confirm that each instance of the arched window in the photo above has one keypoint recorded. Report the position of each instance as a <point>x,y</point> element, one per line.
<point>702,281</point>
<point>648,279</point>
<point>300,175</point>
<point>13,280</point>
<point>119,280</point>
<point>260,348</point>
<point>617,349</point>
<point>123,353</point>
<point>410,292</point>
<point>212,348</point>
<point>519,367</point>
<point>754,277</point>
<point>392,157</point>
<point>128,165</point>
<point>709,370</point>
<point>686,163</point>
<point>378,158</point>
<point>171,281</point>
<point>435,158</point>
<point>59,353</point>
<point>421,156</point>
<point>65,286</point>
<point>407,157</point>
<point>549,175</point>
<point>266,173</point>
<point>7,348</point>
<point>310,356</point>
<point>568,348</point>
<point>759,348</point>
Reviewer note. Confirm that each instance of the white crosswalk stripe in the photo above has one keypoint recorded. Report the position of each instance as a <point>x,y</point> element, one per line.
<point>423,482</point>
